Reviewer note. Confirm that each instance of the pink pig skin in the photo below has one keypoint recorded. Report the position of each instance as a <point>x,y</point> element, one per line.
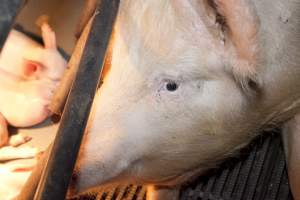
<point>29,74</point>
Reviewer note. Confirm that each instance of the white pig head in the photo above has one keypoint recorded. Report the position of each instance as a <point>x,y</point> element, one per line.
<point>180,95</point>
<point>30,73</point>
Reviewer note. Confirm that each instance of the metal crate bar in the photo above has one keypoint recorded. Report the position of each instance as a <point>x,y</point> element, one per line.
<point>57,174</point>
<point>8,12</point>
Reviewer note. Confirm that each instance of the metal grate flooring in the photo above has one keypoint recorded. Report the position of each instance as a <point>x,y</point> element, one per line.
<point>258,174</point>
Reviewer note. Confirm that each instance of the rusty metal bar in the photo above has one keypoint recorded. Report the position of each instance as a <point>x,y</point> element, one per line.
<point>57,174</point>
<point>8,12</point>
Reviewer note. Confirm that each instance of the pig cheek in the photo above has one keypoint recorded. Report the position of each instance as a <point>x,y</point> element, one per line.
<point>91,168</point>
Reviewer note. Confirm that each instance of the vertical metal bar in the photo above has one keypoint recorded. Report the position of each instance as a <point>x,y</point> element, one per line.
<point>8,12</point>
<point>58,172</point>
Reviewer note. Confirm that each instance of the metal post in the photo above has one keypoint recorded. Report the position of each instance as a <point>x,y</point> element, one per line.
<point>8,12</point>
<point>57,174</point>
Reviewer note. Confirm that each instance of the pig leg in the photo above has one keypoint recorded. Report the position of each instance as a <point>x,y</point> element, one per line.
<point>3,131</point>
<point>48,36</point>
<point>17,140</point>
<point>291,142</point>
<point>22,165</point>
<point>166,193</point>
<point>13,177</point>
<point>11,153</point>
<point>12,182</point>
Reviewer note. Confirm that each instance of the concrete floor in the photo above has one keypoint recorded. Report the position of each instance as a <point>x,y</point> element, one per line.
<point>42,135</point>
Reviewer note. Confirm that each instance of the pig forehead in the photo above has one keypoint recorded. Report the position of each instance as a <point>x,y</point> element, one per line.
<point>164,23</point>
<point>166,35</point>
<point>185,61</point>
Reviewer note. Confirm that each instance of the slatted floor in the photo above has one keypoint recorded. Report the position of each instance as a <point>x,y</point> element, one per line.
<point>258,174</point>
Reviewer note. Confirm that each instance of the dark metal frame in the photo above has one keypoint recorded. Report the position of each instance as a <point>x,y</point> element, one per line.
<point>8,12</point>
<point>57,174</point>
<point>58,171</point>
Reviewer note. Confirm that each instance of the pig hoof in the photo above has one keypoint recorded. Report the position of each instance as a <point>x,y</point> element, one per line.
<point>17,140</point>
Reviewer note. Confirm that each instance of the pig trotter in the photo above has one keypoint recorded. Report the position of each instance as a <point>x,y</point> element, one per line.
<point>17,140</point>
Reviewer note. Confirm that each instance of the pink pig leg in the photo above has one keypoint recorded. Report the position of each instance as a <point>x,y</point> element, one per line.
<point>48,36</point>
<point>3,131</point>
<point>12,153</point>
<point>17,140</point>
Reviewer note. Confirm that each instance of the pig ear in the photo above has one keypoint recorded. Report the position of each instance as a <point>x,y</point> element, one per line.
<point>239,24</point>
<point>31,69</point>
<point>49,37</point>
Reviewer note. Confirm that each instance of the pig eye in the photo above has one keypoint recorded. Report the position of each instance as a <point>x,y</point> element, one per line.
<point>171,86</point>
